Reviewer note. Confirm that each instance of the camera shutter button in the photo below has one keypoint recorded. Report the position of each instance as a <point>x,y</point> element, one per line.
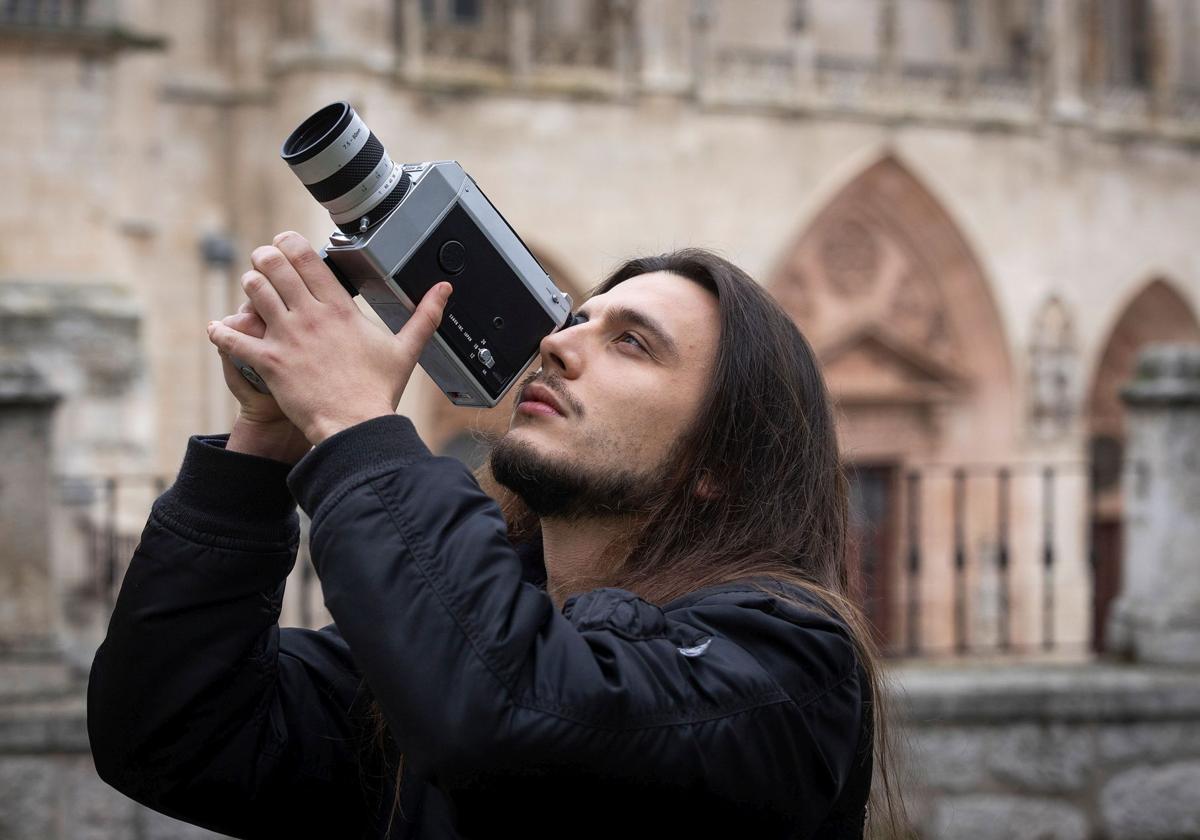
<point>452,256</point>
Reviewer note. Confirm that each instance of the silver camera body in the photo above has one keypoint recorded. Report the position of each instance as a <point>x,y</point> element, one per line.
<point>431,223</point>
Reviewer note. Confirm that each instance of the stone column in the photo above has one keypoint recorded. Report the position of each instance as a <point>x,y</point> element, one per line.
<point>966,13</point>
<point>1156,618</point>
<point>218,253</point>
<point>358,33</point>
<point>520,41</point>
<point>1166,21</point>
<point>889,43</point>
<point>701,21</point>
<point>1065,42</point>
<point>622,33</point>
<point>412,39</point>
<point>804,53</point>
<point>27,405</point>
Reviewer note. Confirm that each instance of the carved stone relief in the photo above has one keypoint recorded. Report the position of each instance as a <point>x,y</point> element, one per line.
<point>850,255</point>
<point>1053,372</point>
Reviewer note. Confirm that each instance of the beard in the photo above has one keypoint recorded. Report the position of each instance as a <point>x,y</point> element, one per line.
<point>557,489</point>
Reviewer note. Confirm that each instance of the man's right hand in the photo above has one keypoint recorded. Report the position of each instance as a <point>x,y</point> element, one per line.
<point>261,427</point>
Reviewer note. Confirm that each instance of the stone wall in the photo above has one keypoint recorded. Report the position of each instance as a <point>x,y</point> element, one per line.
<point>1081,752</point>
<point>1066,752</point>
<point>49,789</point>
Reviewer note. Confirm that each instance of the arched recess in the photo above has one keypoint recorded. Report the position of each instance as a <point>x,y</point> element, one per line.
<point>902,318</point>
<point>901,315</point>
<point>468,433</point>
<point>1157,313</point>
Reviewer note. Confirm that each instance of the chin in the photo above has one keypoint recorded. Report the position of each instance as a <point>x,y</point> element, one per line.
<point>526,435</point>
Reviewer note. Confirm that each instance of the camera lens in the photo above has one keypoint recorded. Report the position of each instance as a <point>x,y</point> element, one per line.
<point>345,167</point>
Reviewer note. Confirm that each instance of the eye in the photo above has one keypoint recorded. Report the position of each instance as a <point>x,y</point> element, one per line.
<point>623,336</point>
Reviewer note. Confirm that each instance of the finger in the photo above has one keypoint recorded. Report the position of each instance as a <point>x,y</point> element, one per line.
<point>425,320</point>
<point>247,306</point>
<point>263,296</point>
<point>233,343</point>
<point>312,269</point>
<point>246,322</point>
<point>278,269</point>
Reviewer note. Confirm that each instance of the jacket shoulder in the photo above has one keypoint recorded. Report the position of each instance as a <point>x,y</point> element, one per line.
<point>745,642</point>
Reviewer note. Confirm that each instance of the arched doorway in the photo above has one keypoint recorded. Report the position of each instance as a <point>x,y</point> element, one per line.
<point>1157,313</point>
<point>901,316</point>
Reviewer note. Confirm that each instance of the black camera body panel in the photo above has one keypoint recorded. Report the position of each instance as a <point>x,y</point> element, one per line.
<point>484,313</point>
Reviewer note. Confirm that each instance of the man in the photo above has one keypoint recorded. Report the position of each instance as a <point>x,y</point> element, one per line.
<point>652,638</point>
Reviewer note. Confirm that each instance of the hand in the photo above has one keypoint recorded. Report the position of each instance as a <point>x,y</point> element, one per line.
<point>328,366</point>
<point>253,405</point>
<point>261,427</point>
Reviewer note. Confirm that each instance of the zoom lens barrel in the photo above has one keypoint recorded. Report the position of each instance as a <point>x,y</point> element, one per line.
<point>345,167</point>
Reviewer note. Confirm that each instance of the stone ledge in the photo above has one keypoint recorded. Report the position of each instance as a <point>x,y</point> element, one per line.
<point>1051,693</point>
<point>58,726</point>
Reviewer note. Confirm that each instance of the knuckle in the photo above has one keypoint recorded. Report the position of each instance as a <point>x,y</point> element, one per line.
<point>266,257</point>
<point>282,236</point>
<point>306,259</point>
<point>252,281</point>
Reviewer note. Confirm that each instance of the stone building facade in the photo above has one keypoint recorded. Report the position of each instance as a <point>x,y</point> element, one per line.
<point>978,212</point>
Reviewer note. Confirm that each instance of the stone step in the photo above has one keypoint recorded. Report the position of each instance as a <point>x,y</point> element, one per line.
<point>24,680</point>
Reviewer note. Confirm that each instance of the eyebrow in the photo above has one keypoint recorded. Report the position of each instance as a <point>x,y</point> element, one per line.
<point>626,315</point>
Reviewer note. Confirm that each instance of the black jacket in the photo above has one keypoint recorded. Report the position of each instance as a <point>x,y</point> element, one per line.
<point>727,712</point>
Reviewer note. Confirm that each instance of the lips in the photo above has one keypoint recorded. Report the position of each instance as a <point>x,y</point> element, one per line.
<point>542,394</point>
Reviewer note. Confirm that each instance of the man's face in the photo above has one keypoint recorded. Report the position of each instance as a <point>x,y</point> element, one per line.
<point>619,390</point>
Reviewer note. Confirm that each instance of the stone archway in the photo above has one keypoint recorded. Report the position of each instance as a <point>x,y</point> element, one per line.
<point>468,433</point>
<point>1156,313</point>
<point>901,316</point>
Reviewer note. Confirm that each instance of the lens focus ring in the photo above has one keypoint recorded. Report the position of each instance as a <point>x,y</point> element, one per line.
<point>350,175</point>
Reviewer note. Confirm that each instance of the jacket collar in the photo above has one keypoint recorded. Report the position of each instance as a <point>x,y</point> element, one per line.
<point>533,570</point>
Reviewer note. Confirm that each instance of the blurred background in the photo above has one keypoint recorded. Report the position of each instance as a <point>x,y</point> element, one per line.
<point>982,213</point>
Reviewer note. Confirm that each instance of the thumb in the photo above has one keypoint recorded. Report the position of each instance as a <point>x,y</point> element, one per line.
<point>425,320</point>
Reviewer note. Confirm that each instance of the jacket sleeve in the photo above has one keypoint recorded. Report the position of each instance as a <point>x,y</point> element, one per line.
<point>199,706</point>
<point>482,678</point>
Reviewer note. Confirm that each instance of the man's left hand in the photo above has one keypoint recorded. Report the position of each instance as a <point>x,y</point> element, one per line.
<point>328,366</point>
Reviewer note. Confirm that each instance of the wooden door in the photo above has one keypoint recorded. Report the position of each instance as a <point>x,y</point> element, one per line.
<point>872,544</point>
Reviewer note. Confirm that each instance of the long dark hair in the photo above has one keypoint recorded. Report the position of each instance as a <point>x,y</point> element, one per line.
<point>764,439</point>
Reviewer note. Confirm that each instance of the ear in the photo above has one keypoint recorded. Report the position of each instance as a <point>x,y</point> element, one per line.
<point>706,487</point>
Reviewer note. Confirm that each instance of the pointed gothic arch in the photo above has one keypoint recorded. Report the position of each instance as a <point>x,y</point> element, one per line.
<point>1156,312</point>
<point>885,262</point>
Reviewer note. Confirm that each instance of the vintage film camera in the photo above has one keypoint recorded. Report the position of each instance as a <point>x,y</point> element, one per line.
<point>402,228</point>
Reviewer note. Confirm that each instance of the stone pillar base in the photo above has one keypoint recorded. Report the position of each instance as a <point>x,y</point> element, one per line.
<point>1146,633</point>
<point>1157,617</point>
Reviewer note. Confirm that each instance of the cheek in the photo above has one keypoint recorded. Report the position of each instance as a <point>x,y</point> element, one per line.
<point>642,428</point>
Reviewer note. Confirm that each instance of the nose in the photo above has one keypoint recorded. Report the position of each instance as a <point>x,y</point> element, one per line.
<point>562,351</point>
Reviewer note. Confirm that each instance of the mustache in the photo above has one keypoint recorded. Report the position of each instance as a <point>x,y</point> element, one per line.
<point>555,384</point>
